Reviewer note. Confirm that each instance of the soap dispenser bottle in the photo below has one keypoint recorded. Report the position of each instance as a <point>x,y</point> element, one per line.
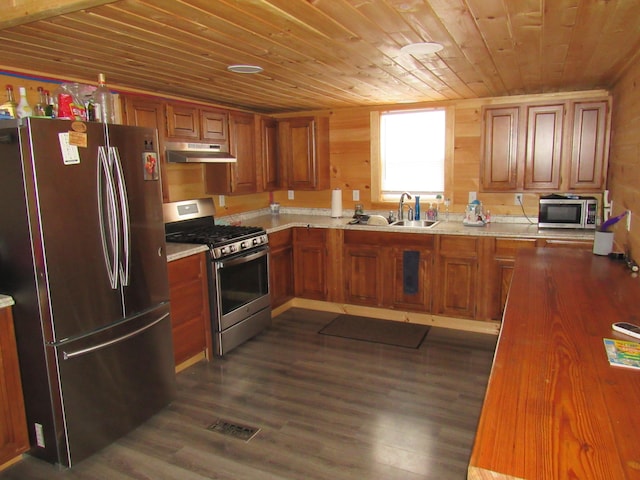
<point>416,213</point>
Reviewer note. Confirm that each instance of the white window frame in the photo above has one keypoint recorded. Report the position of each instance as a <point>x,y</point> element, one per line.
<point>377,194</point>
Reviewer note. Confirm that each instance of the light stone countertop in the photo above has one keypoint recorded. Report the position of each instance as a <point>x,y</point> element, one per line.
<point>274,223</point>
<point>512,227</point>
<point>6,301</point>
<point>181,250</point>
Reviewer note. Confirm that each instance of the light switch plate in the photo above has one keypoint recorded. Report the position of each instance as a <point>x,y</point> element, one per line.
<point>356,195</point>
<point>290,194</point>
<point>473,196</point>
<point>221,201</point>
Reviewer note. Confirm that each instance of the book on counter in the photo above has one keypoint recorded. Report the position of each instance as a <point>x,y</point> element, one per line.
<point>622,353</point>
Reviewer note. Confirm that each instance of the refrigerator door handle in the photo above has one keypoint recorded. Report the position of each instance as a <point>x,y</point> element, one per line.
<point>125,270</point>
<point>109,230</point>
<point>100,346</point>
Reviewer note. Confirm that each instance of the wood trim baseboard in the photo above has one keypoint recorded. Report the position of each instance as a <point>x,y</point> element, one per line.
<point>477,326</point>
<point>191,361</point>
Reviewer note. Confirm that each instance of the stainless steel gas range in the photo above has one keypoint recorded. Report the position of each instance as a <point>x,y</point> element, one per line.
<point>238,270</point>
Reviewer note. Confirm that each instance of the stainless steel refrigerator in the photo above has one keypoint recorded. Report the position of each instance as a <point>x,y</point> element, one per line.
<point>82,254</point>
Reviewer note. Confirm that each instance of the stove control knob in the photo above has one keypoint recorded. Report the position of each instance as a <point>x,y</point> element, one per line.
<point>243,244</point>
<point>232,248</point>
<point>257,241</point>
<point>223,250</point>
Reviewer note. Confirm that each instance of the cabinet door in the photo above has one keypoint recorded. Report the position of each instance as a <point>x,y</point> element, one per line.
<point>544,147</point>
<point>281,267</point>
<point>363,275</point>
<point>214,126</point>
<point>396,273</point>
<point>502,258</point>
<point>588,152</point>
<point>14,439</point>
<point>243,147</point>
<point>458,276</point>
<point>269,154</point>
<point>145,112</point>
<point>190,321</point>
<point>305,152</point>
<point>183,122</point>
<point>310,263</point>
<point>239,178</point>
<point>499,165</point>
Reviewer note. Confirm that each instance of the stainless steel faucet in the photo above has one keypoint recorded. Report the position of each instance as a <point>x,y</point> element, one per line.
<point>401,205</point>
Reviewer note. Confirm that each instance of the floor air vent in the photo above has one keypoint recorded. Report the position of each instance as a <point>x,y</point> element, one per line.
<point>232,429</point>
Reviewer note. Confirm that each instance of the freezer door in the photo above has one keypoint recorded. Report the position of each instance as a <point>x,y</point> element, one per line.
<point>113,381</point>
<point>62,195</point>
<point>144,262</point>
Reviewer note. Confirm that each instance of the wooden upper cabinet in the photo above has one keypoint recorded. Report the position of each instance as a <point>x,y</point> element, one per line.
<point>237,178</point>
<point>188,122</point>
<point>304,144</point>
<point>146,112</point>
<point>499,168</point>
<point>544,147</point>
<point>536,148</point>
<point>589,146</point>
<point>269,154</point>
<point>215,126</point>
<point>183,122</point>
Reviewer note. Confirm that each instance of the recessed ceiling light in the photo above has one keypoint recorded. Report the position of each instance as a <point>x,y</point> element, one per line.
<point>423,48</point>
<point>244,68</point>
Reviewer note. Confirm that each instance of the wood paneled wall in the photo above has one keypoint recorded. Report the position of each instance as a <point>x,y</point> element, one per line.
<point>624,158</point>
<point>350,159</point>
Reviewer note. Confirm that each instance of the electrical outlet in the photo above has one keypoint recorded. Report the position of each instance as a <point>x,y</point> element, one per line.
<point>628,220</point>
<point>473,196</point>
<point>221,201</point>
<point>290,195</point>
<point>517,199</point>
<point>356,195</point>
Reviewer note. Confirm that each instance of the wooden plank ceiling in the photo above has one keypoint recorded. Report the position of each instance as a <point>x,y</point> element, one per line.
<point>322,54</point>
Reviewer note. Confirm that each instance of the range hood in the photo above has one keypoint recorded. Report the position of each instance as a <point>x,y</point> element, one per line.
<point>185,152</point>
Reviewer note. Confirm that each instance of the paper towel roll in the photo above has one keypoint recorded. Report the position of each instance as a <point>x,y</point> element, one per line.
<point>336,203</point>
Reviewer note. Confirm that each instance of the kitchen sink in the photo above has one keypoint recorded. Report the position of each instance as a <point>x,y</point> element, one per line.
<point>415,223</point>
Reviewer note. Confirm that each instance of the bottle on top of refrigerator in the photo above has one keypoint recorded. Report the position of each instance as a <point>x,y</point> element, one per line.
<point>38,110</point>
<point>103,102</point>
<point>8,108</point>
<point>24,109</point>
<point>49,109</point>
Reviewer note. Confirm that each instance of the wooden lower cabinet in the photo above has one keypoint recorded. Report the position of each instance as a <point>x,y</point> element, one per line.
<point>501,258</point>
<point>500,270</point>
<point>363,274</point>
<point>14,439</point>
<point>310,262</point>
<point>390,270</point>
<point>190,320</point>
<point>457,276</point>
<point>281,267</point>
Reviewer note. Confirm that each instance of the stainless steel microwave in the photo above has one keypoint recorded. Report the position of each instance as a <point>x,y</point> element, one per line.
<point>565,211</point>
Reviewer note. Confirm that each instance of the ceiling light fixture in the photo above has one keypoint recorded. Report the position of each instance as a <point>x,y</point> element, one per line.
<point>244,68</point>
<point>422,48</point>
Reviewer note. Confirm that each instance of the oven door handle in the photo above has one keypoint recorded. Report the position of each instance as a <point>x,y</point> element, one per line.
<point>242,259</point>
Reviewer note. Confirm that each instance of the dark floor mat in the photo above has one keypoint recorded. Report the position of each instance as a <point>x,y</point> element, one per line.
<point>389,332</point>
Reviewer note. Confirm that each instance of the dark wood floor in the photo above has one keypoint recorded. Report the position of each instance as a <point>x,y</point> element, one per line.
<point>327,408</point>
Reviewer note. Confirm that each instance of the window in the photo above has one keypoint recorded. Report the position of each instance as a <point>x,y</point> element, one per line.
<point>410,153</point>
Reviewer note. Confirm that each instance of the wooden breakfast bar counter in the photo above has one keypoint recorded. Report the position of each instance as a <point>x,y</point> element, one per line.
<point>554,407</point>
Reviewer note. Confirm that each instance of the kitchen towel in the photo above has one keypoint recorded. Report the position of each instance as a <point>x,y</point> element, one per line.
<point>336,203</point>
<point>410,268</point>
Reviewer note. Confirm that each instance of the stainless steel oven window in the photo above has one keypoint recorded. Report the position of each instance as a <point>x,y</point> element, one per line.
<point>242,280</point>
